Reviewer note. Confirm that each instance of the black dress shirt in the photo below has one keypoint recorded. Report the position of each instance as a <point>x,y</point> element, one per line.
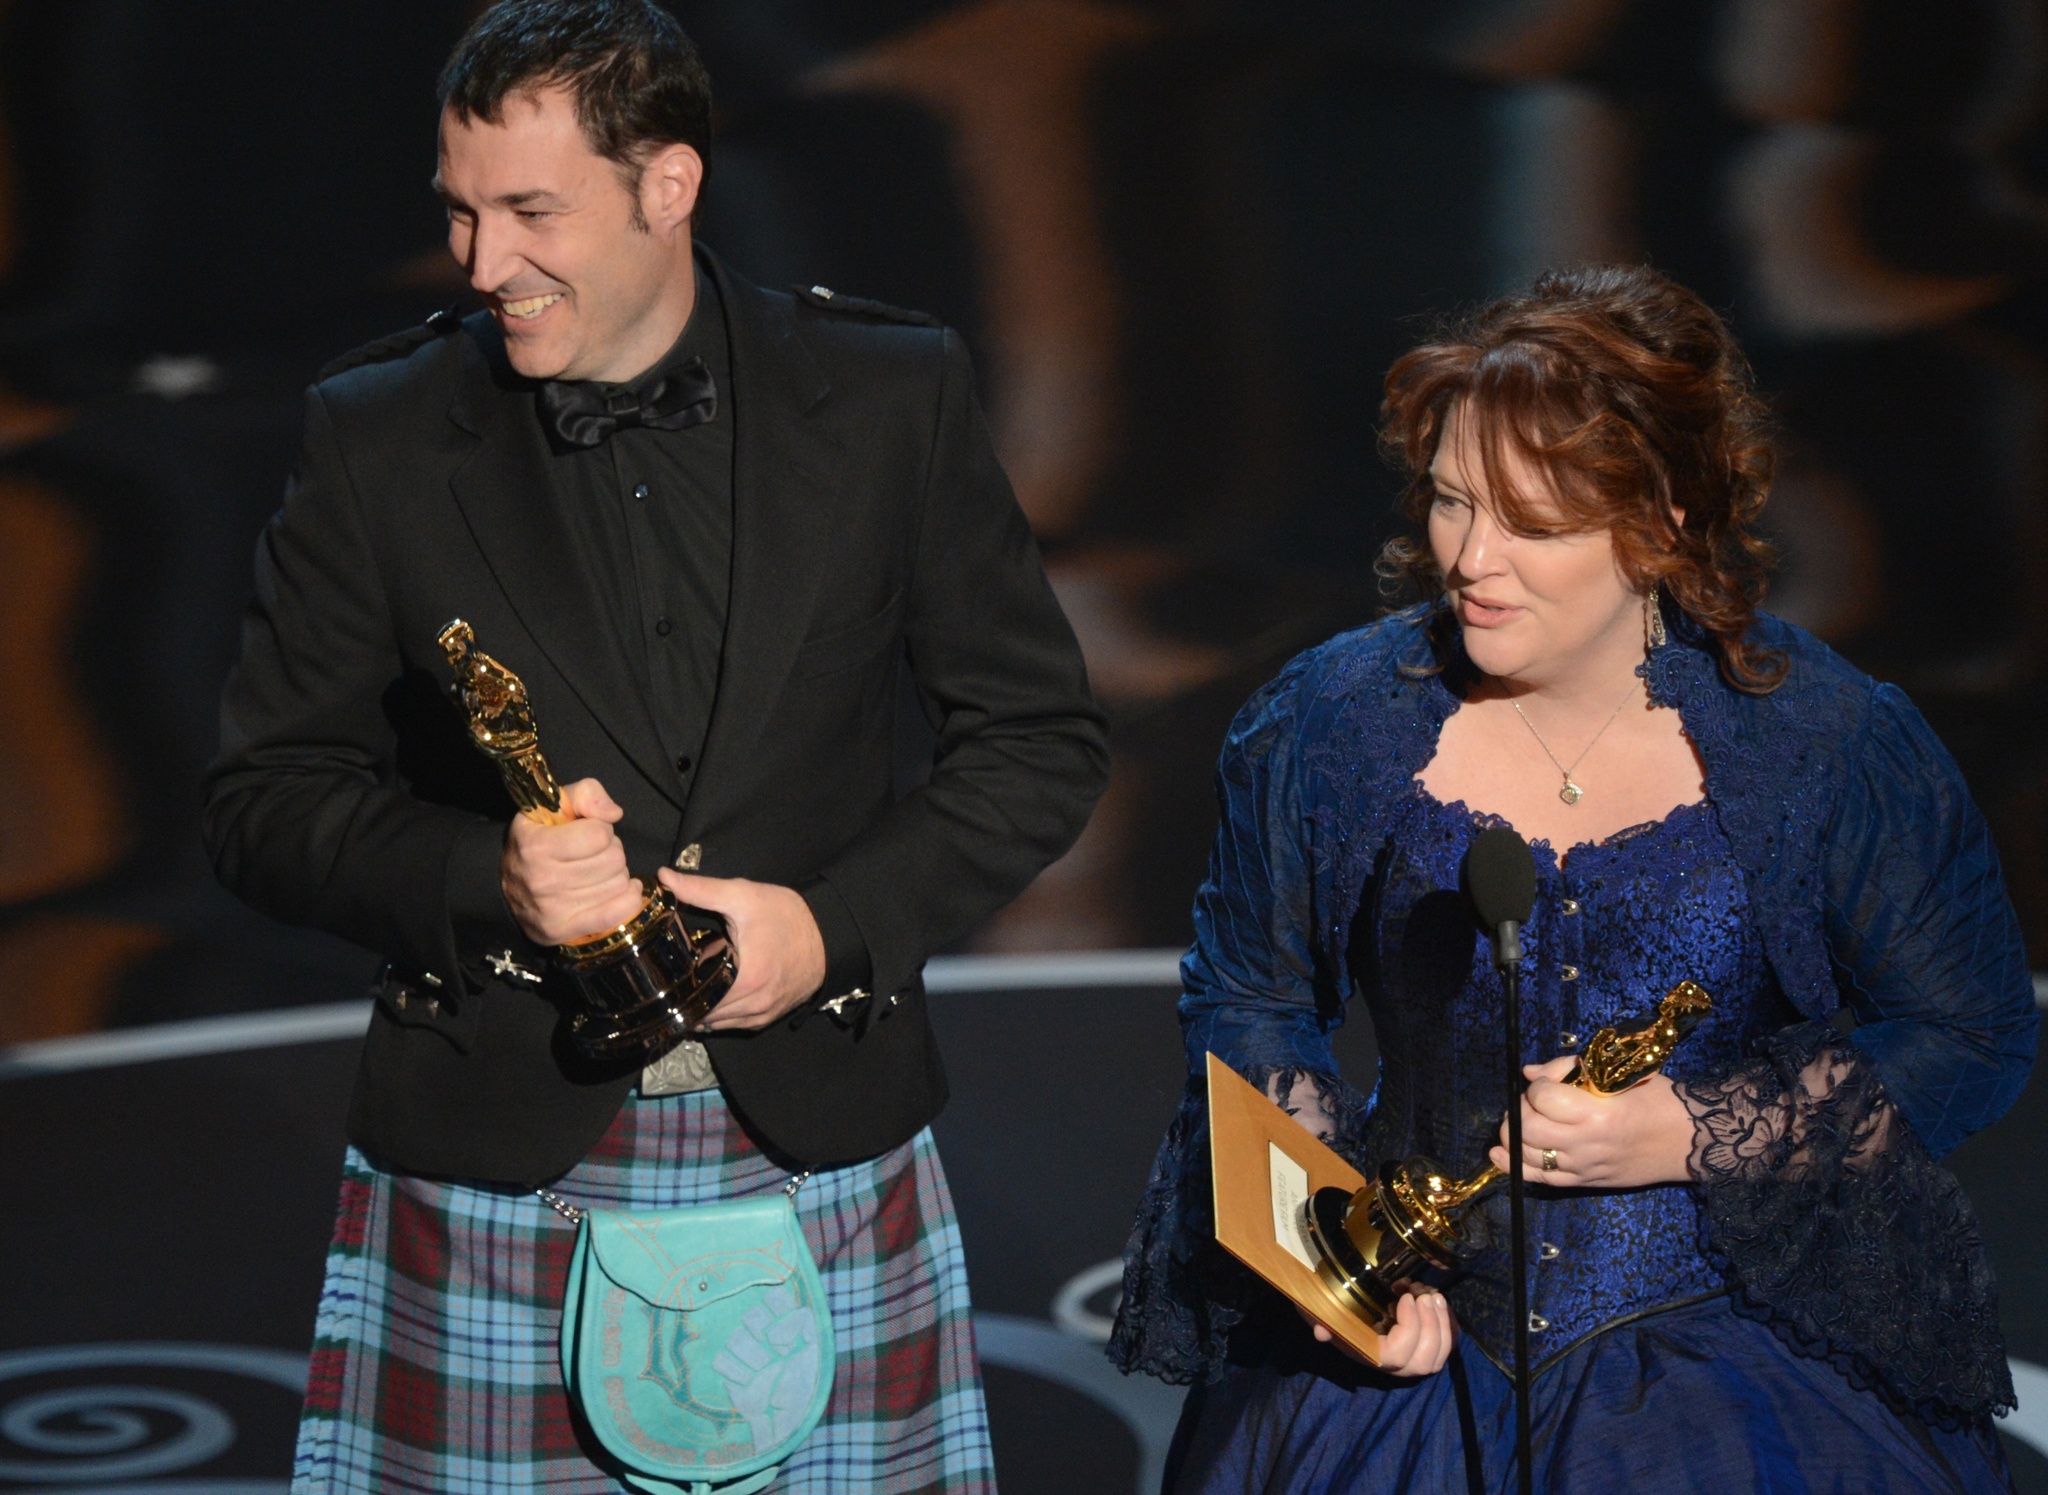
<point>655,507</point>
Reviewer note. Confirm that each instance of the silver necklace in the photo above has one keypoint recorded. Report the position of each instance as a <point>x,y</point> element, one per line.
<point>1570,791</point>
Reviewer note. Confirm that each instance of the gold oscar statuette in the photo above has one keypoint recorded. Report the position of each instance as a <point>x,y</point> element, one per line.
<point>1370,1241</point>
<point>640,988</point>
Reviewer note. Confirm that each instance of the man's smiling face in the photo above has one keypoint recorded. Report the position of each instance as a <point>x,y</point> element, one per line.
<point>577,268</point>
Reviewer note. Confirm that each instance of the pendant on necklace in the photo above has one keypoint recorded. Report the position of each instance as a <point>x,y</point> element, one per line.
<point>1571,792</point>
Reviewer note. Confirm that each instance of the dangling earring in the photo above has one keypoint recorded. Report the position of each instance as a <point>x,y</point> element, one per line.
<point>1653,618</point>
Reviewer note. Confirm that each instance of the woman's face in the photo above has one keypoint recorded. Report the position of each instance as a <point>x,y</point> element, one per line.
<point>1534,607</point>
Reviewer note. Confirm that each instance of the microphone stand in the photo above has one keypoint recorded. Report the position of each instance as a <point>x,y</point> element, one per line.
<point>1508,957</point>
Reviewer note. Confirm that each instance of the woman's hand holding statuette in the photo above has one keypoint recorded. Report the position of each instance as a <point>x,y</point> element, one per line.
<point>1644,1135</point>
<point>1418,1344</point>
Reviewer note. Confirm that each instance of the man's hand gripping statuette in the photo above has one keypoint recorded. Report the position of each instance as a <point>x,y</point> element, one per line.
<point>644,986</point>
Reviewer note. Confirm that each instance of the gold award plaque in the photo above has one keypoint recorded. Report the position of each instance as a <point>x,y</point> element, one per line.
<point>1264,1167</point>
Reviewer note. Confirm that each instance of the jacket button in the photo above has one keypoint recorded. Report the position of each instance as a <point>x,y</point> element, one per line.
<point>683,764</point>
<point>640,491</point>
<point>662,626</point>
<point>1569,906</point>
<point>1545,1251</point>
<point>1538,1323</point>
<point>1567,1040</point>
<point>1567,973</point>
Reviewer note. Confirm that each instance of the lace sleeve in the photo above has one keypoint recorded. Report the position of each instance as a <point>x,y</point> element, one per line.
<point>1183,1293</point>
<point>1259,992</point>
<point>1920,930</point>
<point>1841,1229</point>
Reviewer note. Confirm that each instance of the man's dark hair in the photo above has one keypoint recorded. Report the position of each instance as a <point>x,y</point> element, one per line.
<point>636,77</point>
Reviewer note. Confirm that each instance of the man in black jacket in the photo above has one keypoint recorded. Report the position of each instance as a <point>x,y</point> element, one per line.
<point>708,525</point>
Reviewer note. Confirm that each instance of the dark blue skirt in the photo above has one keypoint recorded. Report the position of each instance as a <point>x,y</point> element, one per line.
<point>1694,1399</point>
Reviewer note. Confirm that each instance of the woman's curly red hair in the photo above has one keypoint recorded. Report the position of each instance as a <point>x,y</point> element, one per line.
<point>1629,395</point>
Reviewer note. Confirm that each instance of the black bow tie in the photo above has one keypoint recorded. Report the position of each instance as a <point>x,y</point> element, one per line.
<point>585,414</point>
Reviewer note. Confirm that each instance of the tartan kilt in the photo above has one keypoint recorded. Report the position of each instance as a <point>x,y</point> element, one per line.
<point>436,1364</point>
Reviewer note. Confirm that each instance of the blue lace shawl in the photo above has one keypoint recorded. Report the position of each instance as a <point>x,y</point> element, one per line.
<point>1874,885</point>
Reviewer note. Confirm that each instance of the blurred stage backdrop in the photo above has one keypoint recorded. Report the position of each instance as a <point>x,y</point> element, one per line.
<point>1184,239</point>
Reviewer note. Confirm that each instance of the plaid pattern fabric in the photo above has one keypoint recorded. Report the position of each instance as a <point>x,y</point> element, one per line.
<point>435,1356</point>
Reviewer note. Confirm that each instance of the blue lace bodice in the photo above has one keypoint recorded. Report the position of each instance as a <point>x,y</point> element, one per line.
<point>1613,929</point>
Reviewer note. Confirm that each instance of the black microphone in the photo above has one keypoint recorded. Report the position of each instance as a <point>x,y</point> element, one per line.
<point>1500,876</point>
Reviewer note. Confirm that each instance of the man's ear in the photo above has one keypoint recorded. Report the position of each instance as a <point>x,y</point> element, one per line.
<point>668,187</point>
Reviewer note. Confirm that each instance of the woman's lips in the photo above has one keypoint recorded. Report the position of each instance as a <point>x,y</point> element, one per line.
<point>1474,613</point>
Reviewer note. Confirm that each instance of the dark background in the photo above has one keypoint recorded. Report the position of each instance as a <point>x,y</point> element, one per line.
<point>1184,240</point>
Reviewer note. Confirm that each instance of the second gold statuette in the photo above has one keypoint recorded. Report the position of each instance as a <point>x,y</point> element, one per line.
<point>1409,1226</point>
<point>640,988</point>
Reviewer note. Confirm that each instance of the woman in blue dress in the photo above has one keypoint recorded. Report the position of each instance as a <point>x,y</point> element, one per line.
<point>1749,1272</point>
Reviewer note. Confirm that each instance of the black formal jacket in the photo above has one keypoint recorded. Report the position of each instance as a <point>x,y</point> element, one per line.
<point>872,526</point>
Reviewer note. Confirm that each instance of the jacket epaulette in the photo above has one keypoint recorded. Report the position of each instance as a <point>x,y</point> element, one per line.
<point>826,299</point>
<point>441,324</point>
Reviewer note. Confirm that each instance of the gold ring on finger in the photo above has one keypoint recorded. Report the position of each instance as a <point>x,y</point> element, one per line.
<point>1550,1160</point>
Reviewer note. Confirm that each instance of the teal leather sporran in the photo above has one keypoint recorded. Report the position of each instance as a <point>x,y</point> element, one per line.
<point>697,1342</point>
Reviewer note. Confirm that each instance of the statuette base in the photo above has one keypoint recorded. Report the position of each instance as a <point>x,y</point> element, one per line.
<point>647,985</point>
